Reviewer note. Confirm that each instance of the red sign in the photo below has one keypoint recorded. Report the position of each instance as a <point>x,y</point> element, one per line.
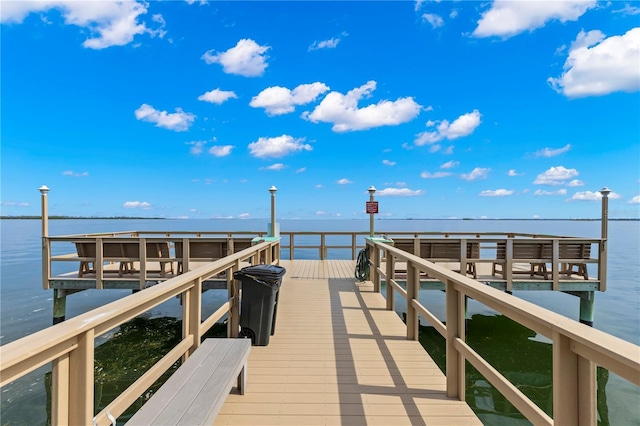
<point>372,207</point>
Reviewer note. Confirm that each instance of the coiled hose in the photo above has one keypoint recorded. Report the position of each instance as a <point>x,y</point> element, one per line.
<point>362,265</point>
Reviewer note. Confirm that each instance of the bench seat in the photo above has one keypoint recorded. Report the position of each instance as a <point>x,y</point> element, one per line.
<point>195,393</point>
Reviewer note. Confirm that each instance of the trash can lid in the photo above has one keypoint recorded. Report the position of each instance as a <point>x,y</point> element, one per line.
<point>269,272</point>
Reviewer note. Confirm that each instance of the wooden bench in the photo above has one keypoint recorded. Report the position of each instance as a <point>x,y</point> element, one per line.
<point>124,252</point>
<point>207,249</point>
<point>571,254</point>
<point>195,393</point>
<point>441,251</point>
<point>536,253</point>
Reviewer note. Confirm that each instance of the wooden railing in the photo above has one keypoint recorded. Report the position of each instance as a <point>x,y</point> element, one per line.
<point>577,348</point>
<point>69,346</point>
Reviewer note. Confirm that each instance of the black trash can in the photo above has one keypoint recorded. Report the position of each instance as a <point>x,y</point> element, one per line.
<point>260,285</point>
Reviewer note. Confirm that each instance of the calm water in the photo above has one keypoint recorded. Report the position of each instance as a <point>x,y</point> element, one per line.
<point>25,307</point>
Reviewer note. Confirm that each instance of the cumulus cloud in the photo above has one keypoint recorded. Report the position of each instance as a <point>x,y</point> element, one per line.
<point>137,205</point>
<point>550,152</point>
<point>558,192</point>
<point>496,193</point>
<point>74,174</point>
<point>343,181</point>
<point>342,110</point>
<point>107,23</point>
<point>436,175</point>
<point>590,196</point>
<point>399,192</point>
<point>576,182</point>
<point>332,43</point>
<point>598,65</point>
<point>461,126</point>
<point>635,200</point>
<point>388,163</point>
<point>507,18</point>
<point>512,173</point>
<point>221,150</point>
<point>196,147</point>
<point>247,58</point>
<point>555,176</point>
<point>475,174</point>
<point>278,100</point>
<point>275,167</point>
<point>449,164</point>
<point>178,121</point>
<point>277,147</point>
<point>217,96</point>
<point>433,19</point>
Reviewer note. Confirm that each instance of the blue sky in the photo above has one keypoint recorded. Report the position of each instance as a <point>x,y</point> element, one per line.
<point>176,109</point>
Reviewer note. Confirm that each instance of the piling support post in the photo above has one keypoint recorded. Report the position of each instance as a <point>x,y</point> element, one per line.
<point>587,301</point>
<point>59,305</point>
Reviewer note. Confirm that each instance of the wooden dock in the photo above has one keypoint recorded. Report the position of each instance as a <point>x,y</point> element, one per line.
<point>339,357</point>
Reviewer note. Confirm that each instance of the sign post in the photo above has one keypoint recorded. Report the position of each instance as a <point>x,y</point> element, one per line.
<point>371,208</point>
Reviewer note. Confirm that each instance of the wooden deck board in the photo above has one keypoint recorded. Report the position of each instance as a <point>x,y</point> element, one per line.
<point>339,358</point>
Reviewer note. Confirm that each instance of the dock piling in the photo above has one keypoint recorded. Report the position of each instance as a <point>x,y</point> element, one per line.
<point>59,306</point>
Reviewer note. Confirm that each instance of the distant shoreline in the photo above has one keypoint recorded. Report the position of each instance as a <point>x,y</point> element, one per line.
<point>408,218</point>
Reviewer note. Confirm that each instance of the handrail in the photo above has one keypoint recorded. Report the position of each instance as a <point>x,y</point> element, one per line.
<point>70,344</point>
<point>577,348</point>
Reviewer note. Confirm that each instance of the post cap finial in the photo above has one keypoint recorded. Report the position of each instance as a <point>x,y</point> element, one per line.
<point>273,189</point>
<point>43,189</point>
<point>605,191</point>
<point>372,189</point>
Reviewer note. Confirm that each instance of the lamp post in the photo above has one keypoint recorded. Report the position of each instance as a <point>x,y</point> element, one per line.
<point>605,211</point>
<point>273,191</point>
<point>372,190</point>
<point>44,207</point>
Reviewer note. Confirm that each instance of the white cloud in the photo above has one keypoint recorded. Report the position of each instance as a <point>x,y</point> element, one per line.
<point>398,192</point>
<point>278,100</point>
<point>635,200</point>
<point>558,192</point>
<point>628,10</point>
<point>344,181</point>
<point>137,205</point>
<point>301,170</point>
<point>591,196</point>
<point>436,175</point>
<point>449,164</point>
<point>418,5</point>
<point>453,14</point>
<point>477,173</point>
<point>555,176</point>
<point>507,18</point>
<point>247,58</point>
<point>433,19</point>
<point>274,167</point>
<point>178,121</point>
<point>332,43</point>
<point>74,174</point>
<point>196,147</point>
<point>243,215</point>
<point>461,126</point>
<point>217,96</point>
<point>388,163</point>
<point>512,173</point>
<point>343,112</point>
<point>108,23</point>
<point>496,193</point>
<point>319,186</point>
<point>576,182</point>
<point>549,152</point>
<point>221,150</point>
<point>277,147</point>
<point>598,66</point>
<point>14,204</point>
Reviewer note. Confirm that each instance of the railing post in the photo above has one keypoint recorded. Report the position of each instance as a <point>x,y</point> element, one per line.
<point>604,235</point>
<point>455,319</point>
<point>322,246</point>
<point>413,282</point>
<point>508,264</point>
<point>390,296</point>
<point>60,391</point>
<point>587,400</point>
<point>81,393</point>
<point>99,264</point>
<point>353,246</point>
<point>46,249</point>
<point>233,289</point>
<point>142,254</point>
<point>291,246</point>
<point>191,314</point>
<point>555,264</point>
<point>375,276</point>
<point>565,381</point>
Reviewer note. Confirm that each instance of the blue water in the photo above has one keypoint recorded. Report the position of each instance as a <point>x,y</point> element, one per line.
<point>25,307</point>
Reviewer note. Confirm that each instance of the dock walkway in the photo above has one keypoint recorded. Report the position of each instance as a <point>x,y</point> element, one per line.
<point>339,357</point>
